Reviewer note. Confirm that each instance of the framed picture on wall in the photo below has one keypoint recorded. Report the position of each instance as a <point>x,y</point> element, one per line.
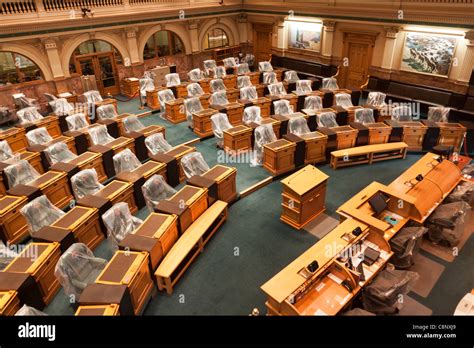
<point>304,35</point>
<point>428,53</point>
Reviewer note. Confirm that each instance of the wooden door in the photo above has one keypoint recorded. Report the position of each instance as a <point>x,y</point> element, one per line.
<point>262,42</point>
<point>103,67</point>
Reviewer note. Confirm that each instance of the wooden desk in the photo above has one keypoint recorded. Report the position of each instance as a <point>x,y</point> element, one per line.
<point>230,81</point>
<point>413,133</point>
<point>13,226</point>
<point>91,160</point>
<point>130,87</point>
<point>119,191</point>
<point>225,179</point>
<point>98,310</point>
<point>315,147</point>
<point>178,152</point>
<point>279,156</point>
<point>15,137</point>
<point>233,110</point>
<point>174,110</point>
<point>120,144</point>
<point>202,122</point>
<point>9,303</point>
<point>238,139</point>
<point>379,132</point>
<point>451,134</point>
<point>193,197</point>
<point>55,186</point>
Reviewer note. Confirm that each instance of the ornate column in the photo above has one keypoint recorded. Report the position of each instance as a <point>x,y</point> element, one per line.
<point>194,35</point>
<point>282,34</point>
<point>50,45</point>
<point>391,34</point>
<point>135,56</point>
<point>328,37</point>
<point>468,61</point>
<point>242,24</point>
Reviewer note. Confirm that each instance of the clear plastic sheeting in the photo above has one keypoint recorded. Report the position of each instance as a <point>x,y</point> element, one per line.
<point>282,107</point>
<point>6,255</point>
<point>291,76</point>
<point>446,224</point>
<point>277,89</point>
<point>38,136</point>
<point>61,107</point>
<point>191,106</point>
<point>146,85</point>
<point>164,96</point>
<point>106,111</point>
<point>313,102</point>
<point>155,190</point>
<point>327,119</point>
<point>195,75</point>
<point>217,85</point>
<point>265,67</point>
<point>383,294</point>
<point>219,72</point>
<point>194,164</point>
<point>468,171</point>
<point>249,59</point>
<point>264,134</point>
<point>303,86</point>
<point>463,192</point>
<point>209,64</point>
<point>29,311</point>
<point>438,113</point>
<point>194,90</point>
<point>125,161</point>
<point>6,153</point>
<point>20,173</point>
<point>77,122</point>
<point>252,114</point>
<point>59,152</point>
<point>22,101</point>
<point>405,244</point>
<point>329,83</point>
<point>172,80</point>
<point>219,98</point>
<point>220,123</point>
<point>119,222</point>
<point>229,62</point>
<point>156,143</point>
<point>402,113</point>
<point>298,126</point>
<point>248,93</point>
<point>28,115</point>
<point>86,182</point>
<point>243,81</point>
<point>376,99</point>
<point>100,135</point>
<point>269,78</point>
<point>344,100</point>
<point>243,68</point>
<point>40,212</point>
<point>92,97</point>
<point>364,116</point>
<point>132,124</point>
<point>5,115</point>
<point>77,268</point>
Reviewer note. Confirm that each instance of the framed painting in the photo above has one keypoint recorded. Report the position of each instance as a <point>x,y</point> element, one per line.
<point>304,35</point>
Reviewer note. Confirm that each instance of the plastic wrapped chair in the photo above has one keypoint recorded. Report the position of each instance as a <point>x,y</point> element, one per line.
<point>252,114</point>
<point>29,311</point>
<point>86,182</point>
<point>195,75</point>
<point>405,245</point>
<point>192,105</point>
<point>5,115</point>
<point>6,153</point>
<point>220,123</point>
<point>99,135</point>
<point>264,134</point>
<point>344,100</point>
<point>277,89</point>
<point>291,76</point>
<point>194,164</point>
<point>28,115</point>
<point>165,96</point>
<point>383,294</point>
<point>146,85</point>
<point>125,161</point>
<point>298,126</point>
<point>329,83</point>
<point>243,69</point>
<point>269,78</point>
<point>282,107</point>
<point>438,114</point>
<point>210,64</point>
<point>77,122</point>
<point>20,173</point>
<point>248,93</point>
<point>40,212</point>
<point>219,72</point>
<point>61,107</point>
<point>172,80</point>
<point>217,85</point>
<point>7,255</point>
<point>92,97</point>
<point>59,152</point>
<point>38,136</point>
<point>376,99</point>
<point>229,62</point>
<point>364,116</point>
<point>303,86</point>
<point>155,190</point>
<point>148,74</point>
<point>463,192</point>
<point>194,90</point>
<point>156,144</point>
<point>249,59</point>
<point>219,98</point>
<point>402,113</point>
<point>243,81</point>
<point>77,268</point>
<point>446,224</point>
<point>265,67</point>
<point>132,124</point>
<point>313,102</point>
<point>327,119</point>
<point>22,101</point>
<point>119,222</point>
<point>106,111</point>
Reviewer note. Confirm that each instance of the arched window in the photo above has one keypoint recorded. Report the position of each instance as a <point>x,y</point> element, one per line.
<point>163,43</point>
<point>15,68</point>
<point>217,38</point>
<point>92,47</point>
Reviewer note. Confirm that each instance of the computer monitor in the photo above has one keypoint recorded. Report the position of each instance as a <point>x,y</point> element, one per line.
<point>378,203</point>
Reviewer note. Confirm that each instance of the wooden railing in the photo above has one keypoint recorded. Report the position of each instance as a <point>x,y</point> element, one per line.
<point>17,7</point>
<point>146,2</point>
<point>64,5</point>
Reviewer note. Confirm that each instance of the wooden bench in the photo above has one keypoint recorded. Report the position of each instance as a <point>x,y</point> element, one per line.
<point>189,245</point>
<point>368,154</point>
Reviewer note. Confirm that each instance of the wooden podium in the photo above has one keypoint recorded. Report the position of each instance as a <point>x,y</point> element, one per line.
<point>303,197</point>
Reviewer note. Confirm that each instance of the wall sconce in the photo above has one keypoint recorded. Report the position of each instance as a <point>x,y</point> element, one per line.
<point>87,12</point>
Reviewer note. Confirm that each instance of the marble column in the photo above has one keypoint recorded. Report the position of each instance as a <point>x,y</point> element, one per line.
<point>51,48</point>
<point>135,56</point>
<point>328,37</point>
<point>242,24</point>
<point>194,35</point>
<point>468,61</point>
<point>391,34</point>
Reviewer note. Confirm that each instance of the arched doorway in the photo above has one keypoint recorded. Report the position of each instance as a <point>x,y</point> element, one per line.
<point>98,58</point>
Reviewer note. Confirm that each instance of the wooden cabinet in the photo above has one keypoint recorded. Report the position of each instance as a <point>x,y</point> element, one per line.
<point>181,90</point>
<point>51,123</point>
<point>152,99</point>
<point>174,110</point>
<point>55,186</point>
<point>279,156</point>
<point>414,134</point>
<point>13,226</point>
<point>225,178</point>
<point>98,310</point>
<point>264,104</point>
<point>379,132</point>
<point>451,134</point>
<point>234,112</point>
<point>131,269</point>
<point>202,122</point>
<point>238,139</point>
<point>233,94</point>
<point>9,303</point>
<point>178,152</point>
<point>130,87</point>
<point>193,197</point>
<point>304,195</point>
<point>219,54</point>
<point>91,160</point>
<point>315,147</point>
<point>346,137</point>
<point>34,158</point>
<point>205,85</point>
<point>230,81</point>
<point>15,137</point>
<point>276,125</point>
